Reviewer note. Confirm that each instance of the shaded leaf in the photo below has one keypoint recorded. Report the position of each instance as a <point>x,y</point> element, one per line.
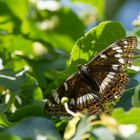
<point>135,136</point>
<point>27,111</point>
<point>3,108</point>
<point>35,127</point>
<point>126,101</point>
<point>135,97</point>
<point>8,80</point>
<point>103,133</point>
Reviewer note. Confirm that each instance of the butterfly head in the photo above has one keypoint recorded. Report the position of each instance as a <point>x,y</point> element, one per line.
<point>82,68</point>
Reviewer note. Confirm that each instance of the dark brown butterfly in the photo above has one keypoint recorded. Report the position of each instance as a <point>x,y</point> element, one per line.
<point>97,84</point>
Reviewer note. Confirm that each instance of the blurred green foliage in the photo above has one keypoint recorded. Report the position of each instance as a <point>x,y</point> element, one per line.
<point>38,50</point>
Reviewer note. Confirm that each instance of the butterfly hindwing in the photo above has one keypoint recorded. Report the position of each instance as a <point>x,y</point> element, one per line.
<point>109,66</point>
<point>81,97</point>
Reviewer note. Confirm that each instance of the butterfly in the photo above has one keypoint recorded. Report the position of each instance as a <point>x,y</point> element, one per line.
<point>96,85</point>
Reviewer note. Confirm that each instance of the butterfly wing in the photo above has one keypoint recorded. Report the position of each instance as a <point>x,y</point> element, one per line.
<point>80,94</point>
<point>97,83</point>
<point>118,53</point>
<point>108,68</point>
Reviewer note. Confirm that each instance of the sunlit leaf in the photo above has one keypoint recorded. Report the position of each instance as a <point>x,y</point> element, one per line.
<point>16,5</point>
<point>4,136</point>
<point>130,117</point>
<point>82,127</point>
<point>95,41</point>
<point>4,121</point>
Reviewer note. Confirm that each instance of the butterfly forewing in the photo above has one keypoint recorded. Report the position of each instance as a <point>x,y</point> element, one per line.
<point>97,83</point>
<point>118,54</point>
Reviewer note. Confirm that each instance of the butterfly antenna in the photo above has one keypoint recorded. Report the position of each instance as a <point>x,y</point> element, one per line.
<point>64,101</point>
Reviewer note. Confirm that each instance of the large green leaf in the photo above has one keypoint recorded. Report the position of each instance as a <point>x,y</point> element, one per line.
<point>15,5</point>
<point>27,111</point>
<point>68,23</point>
<point>94,41</point>
<point>4,136</point>
<point>35,128</point>
<point>130,117</point>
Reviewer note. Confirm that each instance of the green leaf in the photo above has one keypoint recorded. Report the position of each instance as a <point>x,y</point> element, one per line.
<point>37,94</point>
<point>126,101</point>
<point>68,23</point>
<point>130,117</point>
<point>71,128</point>
<point>94,41</point>
<point>19,8</point>
<point>4,121</point>
<point>27,111</point>
<point>9,80</point>
<point>4,136</point>
<point>63,42</point>
<point>3,108</point>
<point>30,90</point>
<point>103,133</point>
<point>135,97</point>
<point>35,128</point>
<point>82,127</point>
<point>112,6</point>
<point>19,44</point>
<point>135,136</point>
